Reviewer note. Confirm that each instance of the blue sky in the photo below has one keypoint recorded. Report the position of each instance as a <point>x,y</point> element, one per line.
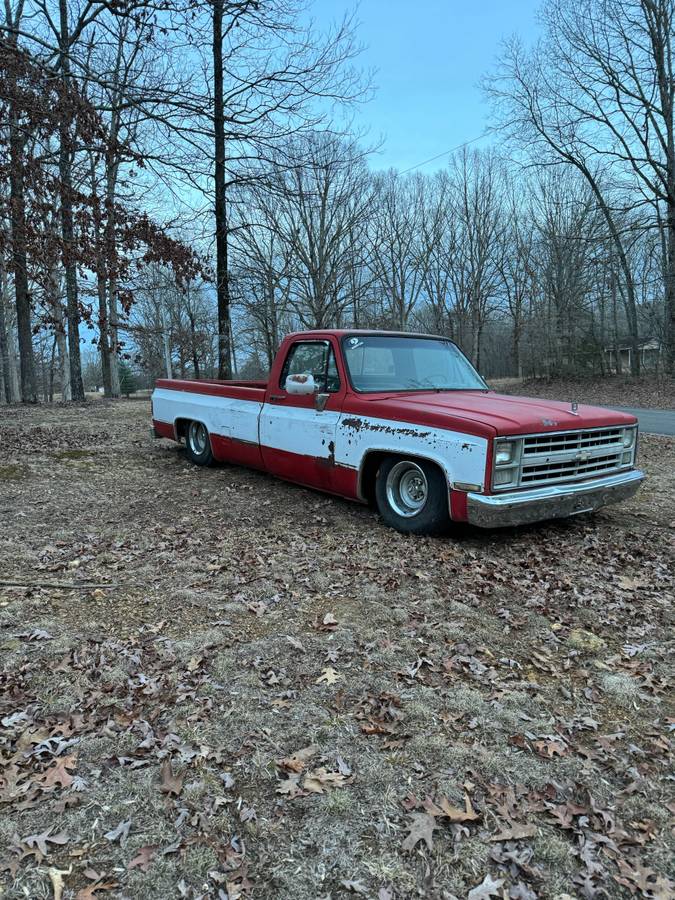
<point>430,56</point>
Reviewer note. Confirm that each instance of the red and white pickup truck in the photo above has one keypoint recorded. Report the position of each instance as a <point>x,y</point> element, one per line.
<point>404,421</point>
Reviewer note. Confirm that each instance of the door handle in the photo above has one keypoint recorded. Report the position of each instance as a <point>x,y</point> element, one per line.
<point>276,397</point>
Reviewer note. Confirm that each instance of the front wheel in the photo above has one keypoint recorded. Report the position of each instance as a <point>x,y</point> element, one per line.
<point>198,444</point>
<point>412,495</point>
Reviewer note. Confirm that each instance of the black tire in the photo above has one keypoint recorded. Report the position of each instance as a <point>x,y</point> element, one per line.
<point>412,495</point>
<point>198,444</point>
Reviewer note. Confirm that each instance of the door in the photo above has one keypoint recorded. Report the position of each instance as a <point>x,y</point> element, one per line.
<point>297,440</point>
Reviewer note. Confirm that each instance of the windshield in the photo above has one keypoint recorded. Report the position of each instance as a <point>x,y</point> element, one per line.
<point>389,363</point>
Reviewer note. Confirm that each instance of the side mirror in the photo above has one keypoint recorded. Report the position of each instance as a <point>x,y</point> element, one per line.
<point>301,385</point>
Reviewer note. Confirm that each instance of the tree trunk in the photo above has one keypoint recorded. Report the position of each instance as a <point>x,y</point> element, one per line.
<point>51,371</point>
<point>101,285</point>
<point>111,168</point>
<point>617,353</point>
<point>475,344</point>
<point>517,361</point>
<point>54,302</point>
<point>222,276</point>
<point>104,341</point>
<point>20,263</point>
<point>67,227</point>
<point>669,312</point>
<point>4,338</point>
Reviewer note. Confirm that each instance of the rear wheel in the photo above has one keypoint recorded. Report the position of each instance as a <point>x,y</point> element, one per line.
<point>198,444</point>
<point>412,495</point>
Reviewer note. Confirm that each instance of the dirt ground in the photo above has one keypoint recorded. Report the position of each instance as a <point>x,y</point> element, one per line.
<point>218,685</point>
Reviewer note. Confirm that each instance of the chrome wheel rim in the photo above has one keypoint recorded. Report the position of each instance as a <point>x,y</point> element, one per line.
<point>198,438</point>
<point>407,489</point>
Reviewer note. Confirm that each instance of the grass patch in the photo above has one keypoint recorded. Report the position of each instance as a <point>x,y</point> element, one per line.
<point>12,472</point>
<point>73,454</point>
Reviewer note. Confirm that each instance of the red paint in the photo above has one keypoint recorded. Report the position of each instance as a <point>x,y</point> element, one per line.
<point>458,510</point>
<point>241,453</point>
<point>238,390</point>
<point>164,429</point>
<point>312,472</point>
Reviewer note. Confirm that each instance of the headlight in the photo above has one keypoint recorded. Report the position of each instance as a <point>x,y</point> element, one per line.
<point>628,437</point>
<point>504,453</point>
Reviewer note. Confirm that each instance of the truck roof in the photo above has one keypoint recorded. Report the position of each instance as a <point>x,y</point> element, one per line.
<point>341,332</point>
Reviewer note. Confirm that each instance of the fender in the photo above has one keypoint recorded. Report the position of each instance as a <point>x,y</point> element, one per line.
<point>461,457</point>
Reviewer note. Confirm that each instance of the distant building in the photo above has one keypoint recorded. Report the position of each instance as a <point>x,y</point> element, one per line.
<point>650,356</point>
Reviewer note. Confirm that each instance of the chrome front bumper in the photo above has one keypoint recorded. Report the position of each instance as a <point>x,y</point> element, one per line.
<point>554,502</point>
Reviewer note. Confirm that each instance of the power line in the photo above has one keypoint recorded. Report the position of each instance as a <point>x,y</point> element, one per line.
<point>447,152</point>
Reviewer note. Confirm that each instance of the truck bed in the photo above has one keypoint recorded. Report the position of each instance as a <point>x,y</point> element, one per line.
<point>214,387</point>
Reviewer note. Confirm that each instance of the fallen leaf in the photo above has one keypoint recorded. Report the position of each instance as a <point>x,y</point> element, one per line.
<point>57,774</point>
<point>328,623</point>
<point>515,833</point>
<point>171,784</point>
<point>290,787</point>
<point>421,828</point>
<point>488,887</point>
<point>444,808</point>
<point>328,676</point>
<point>144,858</point>
<point>40,841</point>
<point>121,833</point>
<point>56,878</point>
<point>318,779</point>
<point>297,761</point>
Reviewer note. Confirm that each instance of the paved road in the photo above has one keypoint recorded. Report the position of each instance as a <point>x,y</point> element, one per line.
<point>653,421</point>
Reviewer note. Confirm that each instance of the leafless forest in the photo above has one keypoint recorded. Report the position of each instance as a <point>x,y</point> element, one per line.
<point>180,186</point>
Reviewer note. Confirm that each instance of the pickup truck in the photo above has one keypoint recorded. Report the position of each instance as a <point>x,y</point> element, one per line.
<point>404,422</point>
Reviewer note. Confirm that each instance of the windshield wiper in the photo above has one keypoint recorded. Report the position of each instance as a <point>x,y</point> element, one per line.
<point>416,383</point>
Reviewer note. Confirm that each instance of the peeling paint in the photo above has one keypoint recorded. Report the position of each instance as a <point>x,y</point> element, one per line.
<point>363,425</point>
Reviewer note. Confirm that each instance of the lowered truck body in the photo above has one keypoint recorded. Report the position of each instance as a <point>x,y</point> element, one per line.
<point>405,421</point>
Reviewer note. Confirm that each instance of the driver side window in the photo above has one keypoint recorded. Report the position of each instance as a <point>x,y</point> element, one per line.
<point>312,358</point>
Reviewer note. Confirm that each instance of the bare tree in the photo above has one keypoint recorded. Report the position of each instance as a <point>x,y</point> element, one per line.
<point>323,197</point>
<point>400,256</point>
<point>479,212</point>
<point>270,68</point>
<point>599,94</point>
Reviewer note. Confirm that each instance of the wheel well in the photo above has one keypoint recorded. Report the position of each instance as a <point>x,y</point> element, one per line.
<point>181,428</point>
<point>372,463</point>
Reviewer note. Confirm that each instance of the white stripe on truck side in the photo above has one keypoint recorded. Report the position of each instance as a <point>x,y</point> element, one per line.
<point>221,415</point>
<point>308,433</point>
<point>462,457</point>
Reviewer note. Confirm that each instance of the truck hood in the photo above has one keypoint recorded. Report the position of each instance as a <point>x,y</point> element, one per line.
<point>499,414</point>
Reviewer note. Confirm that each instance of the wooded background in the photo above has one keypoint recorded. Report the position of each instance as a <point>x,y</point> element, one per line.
<point>180,186</point>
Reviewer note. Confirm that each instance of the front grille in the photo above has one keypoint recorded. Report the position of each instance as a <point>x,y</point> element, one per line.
<point>570,469</point>
<point>571,455</point>
<point>540,459</point>
<point>572,440</point>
